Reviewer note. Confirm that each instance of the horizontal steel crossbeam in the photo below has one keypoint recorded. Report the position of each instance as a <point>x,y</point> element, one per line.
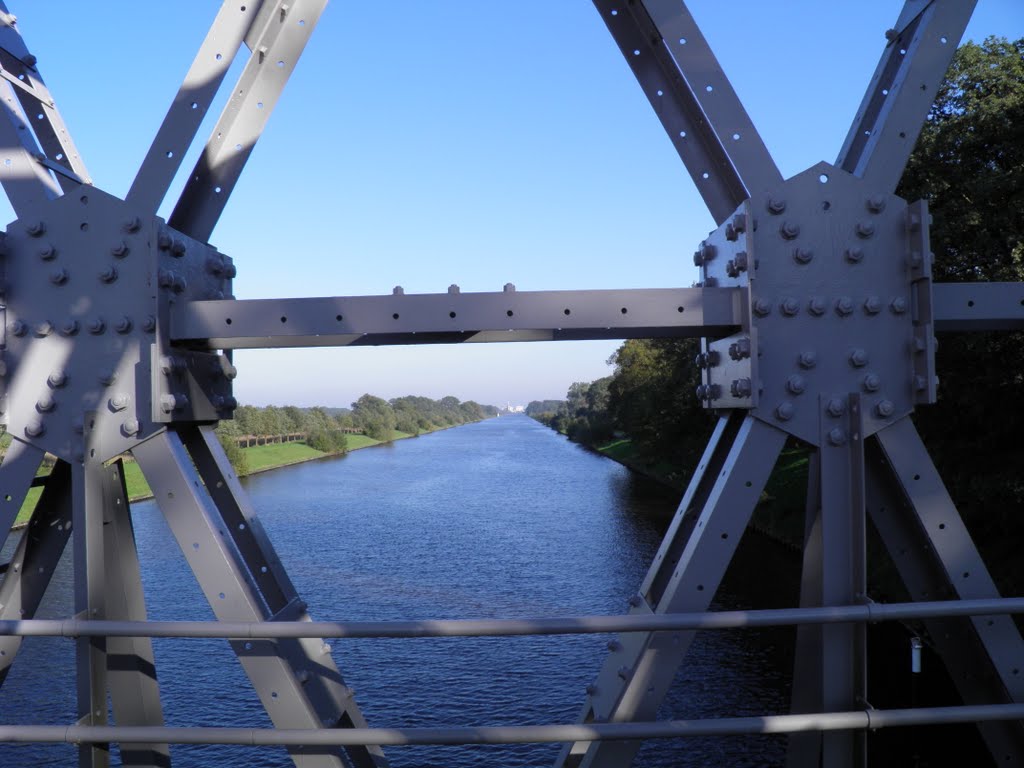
<point>454,317</point>
<point>978,306</point>
<point>516,734</point>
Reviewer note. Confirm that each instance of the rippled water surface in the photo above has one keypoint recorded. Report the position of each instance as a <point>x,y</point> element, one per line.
<point>500,518</point>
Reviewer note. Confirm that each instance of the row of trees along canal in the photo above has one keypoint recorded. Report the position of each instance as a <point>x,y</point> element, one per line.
<point>327,429</point>
<point>969,164</point>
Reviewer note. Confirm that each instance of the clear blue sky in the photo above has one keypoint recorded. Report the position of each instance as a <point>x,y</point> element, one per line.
<point>428,143</point>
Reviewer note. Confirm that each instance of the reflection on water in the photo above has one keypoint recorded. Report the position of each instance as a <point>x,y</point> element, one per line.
<point>501,518</point>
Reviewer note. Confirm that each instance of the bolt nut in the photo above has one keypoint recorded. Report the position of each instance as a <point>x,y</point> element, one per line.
<point>215,265</point>
<point>730,269</point>
<point>130,427</point>
<point>741,387</point>
<point>790,307</point>
<point>701,360</point>
<point>865,229</point>
<point>59,276</point>
<point>730,232</point>
<point>816,306</point>
<point>508,288</point>
<point>165,278</point>
<point>96,326</point>
<point>179,284</point>
<point>69,327</point>
<point>170,403</point>
<point>45,404</point>
<point>784,411</point>
<point>36,229</point>
<point>898,305</point>
<point>844,306</point>
<point>808,359</point>
<point>875,203</point>
<point>854,255</point>
<point>108,274</point>
<point>885,408</point>
<point>803,255</point>
<point>47,253</point>
<point>120,250</point>
<point>796,384</point>
<point>836,407</point>
<point>35,429</point>
<point>762,307</point>
<point>708,251</point>
<point>149,324</point>
<point>872,305</point>
<point>789,230</point>
<point>57,379</point>
<point>124,325</point>
<point>872,382</point>
<point>837,436</point>
<point>163,241</point>
<point>44,329</point>
<point>177,248</point>
<point>118,402</point>
<point>134,224</point>
<point>742,261</point>
<point>740,349</point>
<point>776,205</point>
<point>858,358</point>
<point>18,328</point>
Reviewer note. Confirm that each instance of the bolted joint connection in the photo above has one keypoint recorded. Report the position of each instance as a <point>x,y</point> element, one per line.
<point>885,409</point>
<point>740,349</point>
<point>709,392</point>
<point>171,403</point>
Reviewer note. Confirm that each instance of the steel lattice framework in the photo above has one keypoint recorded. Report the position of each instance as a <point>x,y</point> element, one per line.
<point>817,313</point>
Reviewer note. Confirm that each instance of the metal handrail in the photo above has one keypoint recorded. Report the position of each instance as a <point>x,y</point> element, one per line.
<point>511,734</point>
<point>565,625</point>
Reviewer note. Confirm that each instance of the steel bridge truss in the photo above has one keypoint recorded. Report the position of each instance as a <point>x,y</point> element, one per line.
<point>817,313</point>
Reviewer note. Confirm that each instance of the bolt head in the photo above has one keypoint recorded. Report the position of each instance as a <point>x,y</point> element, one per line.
<point>130,427</point>
<point>177,248</point>
<point>108,274</point>
<point>844,306</point>
<point>872,305</point>
<point>790,307</point>
<point>132,225</point>
<point>163,241</point>
<point>741,387</point>
<point>865,229</point>
<point>837,436</point>
<point>816,306</point>
<point>36,229</point>
<point>149,324</point>
<point>762,307</point>
<point>784,411</point>
<point>69,327</point>
<point>45,404</point>
<point>776,205</point>
<point>96,326</point>
<point>708,251</point>
<point>124,325</point>
<point>47,253</point>
<point>872,382</point>
<point>854,255</point>
<point>44,329</point>
<point>59,276</point>
<point>885,408</point>
<point>802,255</point>
<point>120,250</point>
<point>858,358</point>
<point>118,402</point>
<point>35,429</point>
<point>836,407</point>
<point>898,305</point>
<point>796,384</point>
<point>57,379</point>
<point>808,359</point>
<point>875,203</point>
<point>18,328</point>
<point>789,230</point>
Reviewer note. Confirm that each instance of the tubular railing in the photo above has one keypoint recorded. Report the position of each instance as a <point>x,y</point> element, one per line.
<point>573,625</point>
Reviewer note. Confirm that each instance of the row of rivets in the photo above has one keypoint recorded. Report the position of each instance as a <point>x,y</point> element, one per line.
<point>844,306</point>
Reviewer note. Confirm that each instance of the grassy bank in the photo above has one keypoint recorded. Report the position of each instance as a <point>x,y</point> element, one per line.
<point>259,458</point>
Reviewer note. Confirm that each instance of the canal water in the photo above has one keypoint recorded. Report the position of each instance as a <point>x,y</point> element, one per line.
<point>502,518</point>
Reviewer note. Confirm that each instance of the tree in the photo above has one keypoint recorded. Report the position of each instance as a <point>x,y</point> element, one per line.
<point>375,416</point>
<point>969,164</point>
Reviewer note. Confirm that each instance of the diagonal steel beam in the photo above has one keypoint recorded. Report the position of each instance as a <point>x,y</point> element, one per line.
<point>641,666</point>
<point>694,100</point>
<point>17,474</point>
<point>902,90</point>
<point>227,33</point>
<point>276,48</point>
<point>458,317</point>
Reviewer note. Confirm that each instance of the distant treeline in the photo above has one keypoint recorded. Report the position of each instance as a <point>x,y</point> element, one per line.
<point>373,416</point>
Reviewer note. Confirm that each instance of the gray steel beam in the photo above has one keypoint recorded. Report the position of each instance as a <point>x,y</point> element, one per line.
<point>641,666</point>
<point>843,573</point>
<point>17,476</point>
<point>276,50</point>
<point>457,317</point>
<point>902,90</point>
<point>953,638</point>
<point>131,668</point>
<point>978,306</point>
<point>694,100</point>
<point>944,532</point>
<point>35,559</point>
<point>186,113</point>
<point>90,652</point>
<point>279,670</point>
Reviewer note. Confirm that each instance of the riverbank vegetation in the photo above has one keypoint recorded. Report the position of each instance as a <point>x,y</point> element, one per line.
<point>969,165</point>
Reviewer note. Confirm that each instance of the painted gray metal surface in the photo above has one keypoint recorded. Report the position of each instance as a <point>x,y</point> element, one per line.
<point>817,312</point>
